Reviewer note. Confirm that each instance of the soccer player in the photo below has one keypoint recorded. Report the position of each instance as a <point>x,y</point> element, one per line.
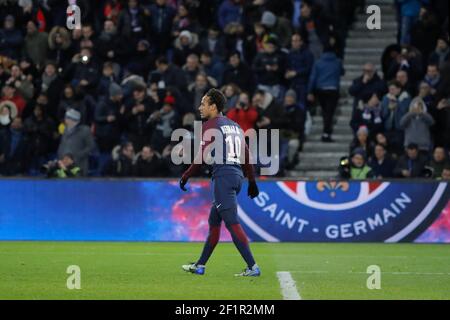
<point>227,177</point>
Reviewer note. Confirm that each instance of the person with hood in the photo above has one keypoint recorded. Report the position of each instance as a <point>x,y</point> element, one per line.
<point>59,43</point>
<point>277,25</point>
<point>356,167</point>
<point>417,123</point>
<point>36,44</point>
<point>11,39</point>
<point>9,93</point>
<point>185,45</point>
<point>77,139</point>
<point>324,84</point>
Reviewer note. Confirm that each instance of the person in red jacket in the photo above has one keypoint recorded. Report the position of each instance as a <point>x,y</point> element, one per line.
<point>243,113</point>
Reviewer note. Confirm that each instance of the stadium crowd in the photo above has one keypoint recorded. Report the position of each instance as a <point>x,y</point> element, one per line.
<point>104,99</point>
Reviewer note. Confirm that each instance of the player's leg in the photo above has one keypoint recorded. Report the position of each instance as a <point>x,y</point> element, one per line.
<point>230,186</point>
<point>213,238</point>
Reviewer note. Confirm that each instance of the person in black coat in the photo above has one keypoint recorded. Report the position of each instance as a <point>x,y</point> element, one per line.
<point>148,163</point>
<point>238,72</point>
<point>381,163</point>
<point>14,143</point>
<point>170,74</point>
<point>52,85</point>
<point>411,164</point>
<point>122,164</point>
<point>110,45</point>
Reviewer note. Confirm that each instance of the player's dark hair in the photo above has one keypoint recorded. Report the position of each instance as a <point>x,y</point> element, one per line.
<point>217,97</point>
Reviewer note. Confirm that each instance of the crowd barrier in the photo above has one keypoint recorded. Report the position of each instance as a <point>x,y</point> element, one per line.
<point>285,210</point>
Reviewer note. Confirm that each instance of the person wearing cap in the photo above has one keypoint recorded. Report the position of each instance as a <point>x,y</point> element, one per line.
<point>77,139</point>
<point>411,164</point>
<point>11,39</point>
<point>107,118</point>
<point>277,25</point>
<point>269,67</point>
<point>357,167</point>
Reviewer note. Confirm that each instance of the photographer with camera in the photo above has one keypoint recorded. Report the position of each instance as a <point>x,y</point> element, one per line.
<point>63,168</point>
<point>244,114</point>
<point>355,167</point>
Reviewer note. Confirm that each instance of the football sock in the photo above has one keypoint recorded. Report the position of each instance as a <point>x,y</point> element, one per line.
<point>241,242</point>
<point>210,244</point>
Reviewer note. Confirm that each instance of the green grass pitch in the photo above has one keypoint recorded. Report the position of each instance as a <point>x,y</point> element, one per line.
<point>37,270</point>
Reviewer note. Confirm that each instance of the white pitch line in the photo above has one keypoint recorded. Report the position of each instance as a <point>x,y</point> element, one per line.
<point>288,287</point>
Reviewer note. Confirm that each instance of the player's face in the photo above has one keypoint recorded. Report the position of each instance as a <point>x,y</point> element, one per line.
<point>205,108</point>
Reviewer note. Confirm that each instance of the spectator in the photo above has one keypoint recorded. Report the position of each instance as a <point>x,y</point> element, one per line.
<point>132,23</point>
<point>324,84</point>
<point>85,72</point>
<point>164,121</point>
<point>36,44</point>
<point>24,86</point>
<point>214,70</point>
<point>231,92</point>
<point>362,141</point>
<point>136,112</point>
<point>9,93</point>
<point>60,49</point>
<point>366,85</point>
<point>238,72</point>
<point>425,32</point>
<point>162,16</point>
<point>11,39</point>
<point>148,163</point>
<point>121,164</point>
<point>41,130</point>
<point>191,68</point>
<point>105,80</point>
<point>213,42</point>
<point>300,61</point>
<point>292,125</point>
<point>77,140</point>
<point>409,13</point>
<point>394,106</point>
<point>51,84</point>
<point>442,52</point>
<point>355,168</point>
<point>243,113</point>
<point>315,26</point>
<point>185,45</point>
<point>197,90</point>
<point>381,163</point>
<point>446,173</point>
<point>64,168</point>
<point>439,161</point>
<point>107,119</point>
<point>368,114</point>
<point>183,20</point>
<point>142,60</point>
<point>411,164</point>
<point>112,46</point>
<point>417,123</point>
<point>426,95</point>
<point>277,25</point>
<point>269,110</point>
<point>403,78</point>
<point>14,144</point>
<point>171,75</point>
<point>433,77</point>
<point>269,67</point>
<point>230,11</point>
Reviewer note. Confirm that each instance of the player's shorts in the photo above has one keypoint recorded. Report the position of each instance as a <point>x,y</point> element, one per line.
<point>225,189</point>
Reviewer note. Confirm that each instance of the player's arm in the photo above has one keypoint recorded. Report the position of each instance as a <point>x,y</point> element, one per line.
<point>196,166</point>
<point>249,172</point>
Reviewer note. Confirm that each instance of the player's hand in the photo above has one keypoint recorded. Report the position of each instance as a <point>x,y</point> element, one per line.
<point>183,182</point>
<point>253,190</point>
